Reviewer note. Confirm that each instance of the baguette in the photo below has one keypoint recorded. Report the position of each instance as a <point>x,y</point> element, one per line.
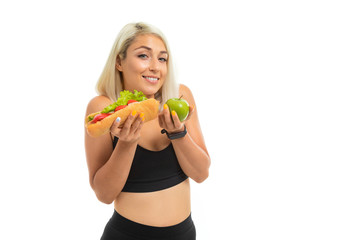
<point>149,107</point>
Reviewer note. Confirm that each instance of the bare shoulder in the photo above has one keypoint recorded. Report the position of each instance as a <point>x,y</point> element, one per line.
<point>97,104</point>
<point>184,89</point>
<point>187,94</point>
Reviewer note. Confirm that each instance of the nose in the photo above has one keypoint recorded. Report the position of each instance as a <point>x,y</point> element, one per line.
<point>154,65</point>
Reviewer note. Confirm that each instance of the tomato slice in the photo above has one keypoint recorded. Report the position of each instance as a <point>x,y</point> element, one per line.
<point>131,101</point>
<point>100,117</point>
<point>120,107</point>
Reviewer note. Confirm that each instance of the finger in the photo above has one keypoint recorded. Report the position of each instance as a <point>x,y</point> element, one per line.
<point>161,121</point>
<point>167,118</point>
<point>161,117</point>
<point>115,127</point>
<point>165,110</point>
<point>138,129</point>
<point>176,120</point>
<point>191,111</point>
<point>140,118</point>
<point>129,121</point>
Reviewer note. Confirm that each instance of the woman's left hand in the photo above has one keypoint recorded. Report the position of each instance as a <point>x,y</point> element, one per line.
<point>172,123</point>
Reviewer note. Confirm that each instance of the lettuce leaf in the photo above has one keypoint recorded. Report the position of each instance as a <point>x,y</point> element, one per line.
<point>125,96</point>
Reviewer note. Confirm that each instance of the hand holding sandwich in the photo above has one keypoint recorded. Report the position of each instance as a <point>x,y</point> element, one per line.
<point>130,131</point>
<point>129,105</point>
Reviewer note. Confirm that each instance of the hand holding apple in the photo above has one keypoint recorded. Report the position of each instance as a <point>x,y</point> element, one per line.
<point>180,106</point>
<point>175,113</point>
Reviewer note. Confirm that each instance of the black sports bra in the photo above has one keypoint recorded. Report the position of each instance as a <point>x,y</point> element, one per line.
<point>153,170</point>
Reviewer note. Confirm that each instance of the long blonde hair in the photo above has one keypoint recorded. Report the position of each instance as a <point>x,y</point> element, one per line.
<point>110,82</point>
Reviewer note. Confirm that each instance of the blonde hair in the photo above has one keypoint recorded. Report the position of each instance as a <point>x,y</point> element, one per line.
<point>110,82</point>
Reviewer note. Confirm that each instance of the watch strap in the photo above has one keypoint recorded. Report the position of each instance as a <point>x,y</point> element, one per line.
<point>177,135</point>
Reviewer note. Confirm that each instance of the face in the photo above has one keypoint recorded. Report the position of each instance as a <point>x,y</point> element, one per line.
<point>145,65</point>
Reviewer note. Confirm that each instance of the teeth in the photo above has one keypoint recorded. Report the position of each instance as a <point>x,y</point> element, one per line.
<point>151,79</point>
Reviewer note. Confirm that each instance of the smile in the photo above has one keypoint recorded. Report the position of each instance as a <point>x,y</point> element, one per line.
<point>151,79</point>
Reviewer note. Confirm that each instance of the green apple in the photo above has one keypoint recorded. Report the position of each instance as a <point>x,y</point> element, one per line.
<point>180,106</point>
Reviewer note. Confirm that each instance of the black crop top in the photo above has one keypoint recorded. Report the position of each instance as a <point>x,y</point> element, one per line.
<point>153,170</point>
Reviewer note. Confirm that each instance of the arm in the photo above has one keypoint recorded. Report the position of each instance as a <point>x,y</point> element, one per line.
<point>190,150</point>
<point>194,161</point>
<point>108,168</point>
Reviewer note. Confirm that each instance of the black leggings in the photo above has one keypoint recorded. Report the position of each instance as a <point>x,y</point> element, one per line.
<point>120,228</point>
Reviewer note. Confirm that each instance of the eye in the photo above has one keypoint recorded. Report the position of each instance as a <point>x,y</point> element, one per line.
<point>162,59</point>
<point>142,56</point>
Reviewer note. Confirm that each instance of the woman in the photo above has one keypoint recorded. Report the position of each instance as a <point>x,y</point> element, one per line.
<point>151,201</point>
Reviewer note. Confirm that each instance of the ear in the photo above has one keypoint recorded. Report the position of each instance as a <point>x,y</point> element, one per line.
<point>118,64</point>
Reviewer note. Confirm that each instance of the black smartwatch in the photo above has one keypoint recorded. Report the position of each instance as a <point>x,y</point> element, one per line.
<point>177,135</point>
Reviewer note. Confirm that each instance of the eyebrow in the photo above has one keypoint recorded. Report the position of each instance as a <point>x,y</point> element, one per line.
<point>147,48</point>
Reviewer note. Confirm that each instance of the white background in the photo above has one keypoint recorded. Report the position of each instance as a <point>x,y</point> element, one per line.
<point>277,91</point>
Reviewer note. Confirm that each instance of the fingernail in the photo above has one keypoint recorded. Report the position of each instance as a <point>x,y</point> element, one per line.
<point>118,119</point>
<point>166,106</point>
<point>141,115</point>
<point>133,113</point>
<point>173,112</point>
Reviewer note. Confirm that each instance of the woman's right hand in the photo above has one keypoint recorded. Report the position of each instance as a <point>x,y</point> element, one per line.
<point>130,131</point>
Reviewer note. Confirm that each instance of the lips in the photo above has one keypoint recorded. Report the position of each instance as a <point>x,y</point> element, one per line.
<point>151,79</point>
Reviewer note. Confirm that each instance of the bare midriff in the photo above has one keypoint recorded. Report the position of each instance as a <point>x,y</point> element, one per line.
<point>160,208</point>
